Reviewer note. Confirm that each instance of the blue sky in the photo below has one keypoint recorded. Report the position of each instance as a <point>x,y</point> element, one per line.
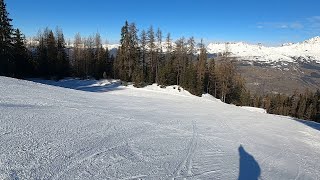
<point>270,22</point>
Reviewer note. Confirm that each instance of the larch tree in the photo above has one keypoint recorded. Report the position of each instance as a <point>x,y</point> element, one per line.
<point>77,56</point>
<point>143,49</point>
<point>212,84</point>
<point>151,54</point>
<point>201,68</point>
<point>179,60</point>
<point>100,58</point>
<point>159,53</point>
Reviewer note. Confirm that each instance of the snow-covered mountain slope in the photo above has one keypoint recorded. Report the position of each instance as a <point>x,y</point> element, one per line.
<point>111,46</point>
<point>106,131</point>
<point>308,50</point>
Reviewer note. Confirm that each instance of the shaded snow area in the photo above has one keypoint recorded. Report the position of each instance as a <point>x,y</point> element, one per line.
<point>101,130</point>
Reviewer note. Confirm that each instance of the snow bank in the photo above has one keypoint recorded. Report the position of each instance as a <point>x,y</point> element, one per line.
<point>210,98</point>
<point>254,109</point>
<point>173,90</point>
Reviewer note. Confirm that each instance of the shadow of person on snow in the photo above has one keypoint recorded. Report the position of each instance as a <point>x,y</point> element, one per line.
<point>249,168</point>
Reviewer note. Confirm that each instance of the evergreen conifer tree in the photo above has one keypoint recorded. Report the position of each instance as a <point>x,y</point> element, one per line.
<point>21,60</point>
<point>63,64</point>
<point>6,47</point>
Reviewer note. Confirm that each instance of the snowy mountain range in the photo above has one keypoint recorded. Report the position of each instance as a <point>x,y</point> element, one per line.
<point>282,69</point>
<point>305,51</point>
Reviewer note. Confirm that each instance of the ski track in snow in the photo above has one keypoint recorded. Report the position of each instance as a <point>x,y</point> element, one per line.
<point>184,168</point>
<point>49,132</point>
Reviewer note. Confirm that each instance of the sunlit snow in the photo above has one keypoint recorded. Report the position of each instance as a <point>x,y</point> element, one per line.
<point>87,129</point>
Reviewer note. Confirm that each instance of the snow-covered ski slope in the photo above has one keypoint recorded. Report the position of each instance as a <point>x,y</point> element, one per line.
<point>106,131</point>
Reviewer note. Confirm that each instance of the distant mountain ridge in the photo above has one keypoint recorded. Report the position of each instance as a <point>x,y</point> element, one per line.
<point>306,51</point>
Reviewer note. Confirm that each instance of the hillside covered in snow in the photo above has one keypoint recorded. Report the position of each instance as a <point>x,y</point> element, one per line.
<point>306,51</point>
<point>87,129</point>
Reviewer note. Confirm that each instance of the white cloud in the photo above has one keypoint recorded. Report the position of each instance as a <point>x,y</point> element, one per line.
<point>280,25</point>
<point>314,23</point>
<point>260,26</point>
<point>296,25</point>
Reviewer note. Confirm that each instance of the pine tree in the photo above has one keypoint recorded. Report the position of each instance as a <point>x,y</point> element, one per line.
<point>135,64</point>
<point>63,65</point>
<point>166,71</point>
<point>127,65</point>
<point>42,65</point>
<point>6,47</point>
<point>123,54</point>
<point>52,54</point>
<point>21,59</point>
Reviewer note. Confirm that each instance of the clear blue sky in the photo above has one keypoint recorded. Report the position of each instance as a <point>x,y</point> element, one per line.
<point>266,21</point>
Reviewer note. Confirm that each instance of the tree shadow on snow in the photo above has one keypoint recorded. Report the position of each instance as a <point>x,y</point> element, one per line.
<point>312,124</point>
<point>249,168</point>
<point>82,85</point>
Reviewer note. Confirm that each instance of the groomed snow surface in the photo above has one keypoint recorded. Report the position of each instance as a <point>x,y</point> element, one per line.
<point>89,129</point>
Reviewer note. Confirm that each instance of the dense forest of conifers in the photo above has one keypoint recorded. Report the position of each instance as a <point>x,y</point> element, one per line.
<point>143,57</point>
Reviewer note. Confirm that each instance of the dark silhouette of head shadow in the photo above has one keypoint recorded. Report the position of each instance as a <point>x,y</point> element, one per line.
<point>249,168</point>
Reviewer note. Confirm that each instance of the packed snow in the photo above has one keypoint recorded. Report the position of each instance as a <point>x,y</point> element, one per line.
<point>290,52</point>
<point>87,129</point>
<point>254,109</point>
